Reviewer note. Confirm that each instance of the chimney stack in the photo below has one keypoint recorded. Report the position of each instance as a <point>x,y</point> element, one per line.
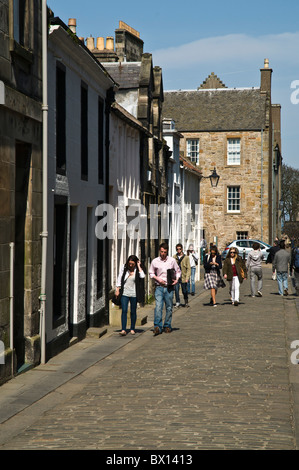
<point>100,44</point>
<point>73,25</point>
<point>110,43</point>
<point>266,73</point>
<point>90,43</point>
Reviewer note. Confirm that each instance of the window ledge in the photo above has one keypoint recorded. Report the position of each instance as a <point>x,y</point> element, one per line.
<point>19,51</point>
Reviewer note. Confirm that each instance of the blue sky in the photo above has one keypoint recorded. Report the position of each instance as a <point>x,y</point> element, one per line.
<point>191,39</point>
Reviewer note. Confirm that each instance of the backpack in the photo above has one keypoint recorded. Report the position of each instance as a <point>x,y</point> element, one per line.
<point>296,258</point>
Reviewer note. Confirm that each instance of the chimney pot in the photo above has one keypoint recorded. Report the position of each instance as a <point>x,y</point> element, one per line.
<point>110,43</point>
<point>266,63</point>
<point>90,43</point>
<point>100,44</point>
<point>72,24</point>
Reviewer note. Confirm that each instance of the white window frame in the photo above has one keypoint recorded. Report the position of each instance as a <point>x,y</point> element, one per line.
<point>192,150</point>
<point>233,199</point>
<point>234,151</point>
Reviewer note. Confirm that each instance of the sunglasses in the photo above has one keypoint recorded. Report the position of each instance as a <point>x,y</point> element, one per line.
<point>233,252</point>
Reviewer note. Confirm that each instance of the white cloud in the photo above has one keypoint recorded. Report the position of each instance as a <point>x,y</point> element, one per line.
<point>238,48</point>
<point>236,59</point>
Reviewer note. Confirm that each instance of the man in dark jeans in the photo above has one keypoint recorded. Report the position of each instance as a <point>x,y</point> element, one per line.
<point>183,262</point>
<point>271,255</point>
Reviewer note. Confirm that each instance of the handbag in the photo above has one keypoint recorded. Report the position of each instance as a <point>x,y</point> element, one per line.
<point>116,299</point>
<point>171,276</point>
<point>242,272</point>
<point>221,282</point>
<point>195,260</point>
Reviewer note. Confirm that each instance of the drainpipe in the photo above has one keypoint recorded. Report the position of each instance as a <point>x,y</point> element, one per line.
<point>262,188</point>
<point>11,309</point>
<point>44,234</point>
<point>273,208</point>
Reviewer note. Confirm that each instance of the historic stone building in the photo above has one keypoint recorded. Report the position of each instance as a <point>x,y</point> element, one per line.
<point>236,131</point>
<point>20,183</point>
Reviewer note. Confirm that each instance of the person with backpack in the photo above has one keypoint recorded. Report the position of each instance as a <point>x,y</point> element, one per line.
<point>294,267</point>
<point>183,262</point>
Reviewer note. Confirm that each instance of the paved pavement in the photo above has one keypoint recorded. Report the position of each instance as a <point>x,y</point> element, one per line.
<point>223,379</point>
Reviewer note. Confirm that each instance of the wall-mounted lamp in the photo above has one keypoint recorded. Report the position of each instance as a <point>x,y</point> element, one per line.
<point>214,178</point>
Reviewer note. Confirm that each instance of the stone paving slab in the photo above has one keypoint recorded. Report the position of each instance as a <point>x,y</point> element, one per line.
<point>222,379</point>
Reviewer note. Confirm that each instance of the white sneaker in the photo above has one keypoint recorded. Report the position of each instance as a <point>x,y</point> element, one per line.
<point>177,304</point>
<point>259,293</point>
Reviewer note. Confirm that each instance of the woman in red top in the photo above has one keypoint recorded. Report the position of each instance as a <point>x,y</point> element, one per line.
<point>234,270</point>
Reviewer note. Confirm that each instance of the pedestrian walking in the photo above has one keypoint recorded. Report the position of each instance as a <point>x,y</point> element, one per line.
<point>281,262</point>
<point>271,255</point>
<point>212,276</point>
<point>254,265</point>
<point>166,273</point>
<point>130,284</point>
<point>234,270</point>
<point>194,259</point>
<point>183,262</point>
<point>294,268</point>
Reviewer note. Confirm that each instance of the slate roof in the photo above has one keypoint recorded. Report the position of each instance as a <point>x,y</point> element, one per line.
<point>126,74</point>
<point>223,109</point>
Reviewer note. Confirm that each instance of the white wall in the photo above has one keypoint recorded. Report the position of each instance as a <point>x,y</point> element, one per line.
<point>124,181</point>
<point>82,196</point>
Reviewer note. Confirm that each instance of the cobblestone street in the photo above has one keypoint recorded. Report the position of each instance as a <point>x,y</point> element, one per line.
<point>223,379</point>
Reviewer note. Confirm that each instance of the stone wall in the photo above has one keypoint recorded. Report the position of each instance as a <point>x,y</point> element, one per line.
<point>249,175</point>
<point>20,186</point>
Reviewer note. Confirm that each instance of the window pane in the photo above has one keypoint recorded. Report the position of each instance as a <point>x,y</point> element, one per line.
<point>193,150</point>
<point>233,151</point>
<point>233,198</point>
<point>242,235</point>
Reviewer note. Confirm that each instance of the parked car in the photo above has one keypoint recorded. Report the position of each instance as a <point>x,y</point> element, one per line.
<point>245,246</point>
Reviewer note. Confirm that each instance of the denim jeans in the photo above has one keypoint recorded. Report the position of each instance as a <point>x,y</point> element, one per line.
<point>124,306</point>
<point>191,282</point>
<point>177,291</point>
<point>282,281</point>
<point>163,295</point>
